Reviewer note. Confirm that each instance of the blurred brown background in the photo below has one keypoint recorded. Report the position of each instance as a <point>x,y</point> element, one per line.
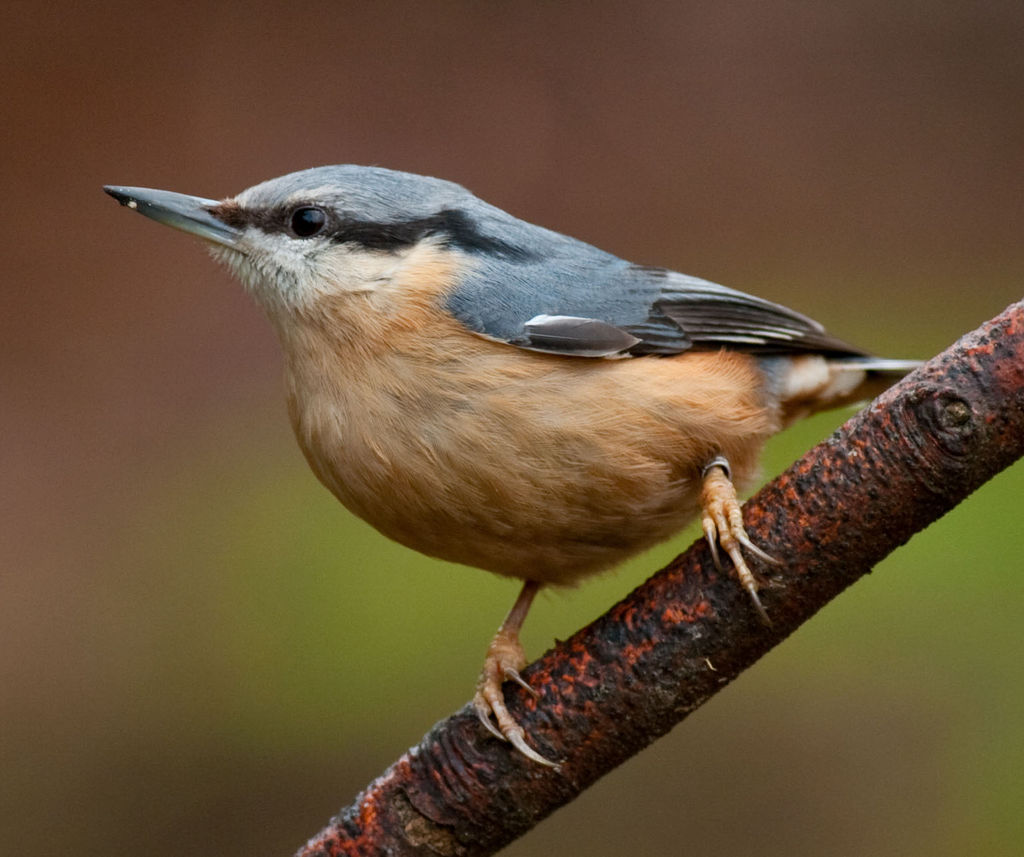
<point>202,653</point>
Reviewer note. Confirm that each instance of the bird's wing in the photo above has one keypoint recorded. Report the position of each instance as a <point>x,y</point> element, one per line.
<point>610,308</point>
<point>693,313</point>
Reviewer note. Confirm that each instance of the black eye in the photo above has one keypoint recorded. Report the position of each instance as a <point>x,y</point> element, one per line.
<point>307,221</point>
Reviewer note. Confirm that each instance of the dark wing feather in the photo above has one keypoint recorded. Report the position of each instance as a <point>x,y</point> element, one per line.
<point>582,337</point>
<point>712,316</point>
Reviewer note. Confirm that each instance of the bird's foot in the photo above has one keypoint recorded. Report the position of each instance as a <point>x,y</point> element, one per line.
<point>505,658</point>
<point>722,522</point>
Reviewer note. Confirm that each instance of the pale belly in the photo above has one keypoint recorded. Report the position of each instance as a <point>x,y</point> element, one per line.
<point>553,471</point>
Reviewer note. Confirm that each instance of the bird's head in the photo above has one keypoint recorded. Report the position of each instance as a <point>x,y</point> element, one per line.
<point>329,232</point>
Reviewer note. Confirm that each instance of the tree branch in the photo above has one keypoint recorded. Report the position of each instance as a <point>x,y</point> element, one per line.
<point>630,676</point>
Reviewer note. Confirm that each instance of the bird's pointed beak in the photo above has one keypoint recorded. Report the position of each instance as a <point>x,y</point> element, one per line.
<point>189,213</point>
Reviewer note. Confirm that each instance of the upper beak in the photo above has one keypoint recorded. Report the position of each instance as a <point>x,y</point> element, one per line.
<point>188,213</point>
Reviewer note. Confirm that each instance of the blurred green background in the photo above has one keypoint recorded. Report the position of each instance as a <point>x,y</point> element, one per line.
<point>202,653</point>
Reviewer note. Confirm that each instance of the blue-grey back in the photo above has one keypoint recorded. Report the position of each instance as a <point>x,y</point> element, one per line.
<point>539,289</point>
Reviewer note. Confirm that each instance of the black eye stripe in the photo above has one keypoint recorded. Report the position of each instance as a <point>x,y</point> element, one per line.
<point>451,227</point>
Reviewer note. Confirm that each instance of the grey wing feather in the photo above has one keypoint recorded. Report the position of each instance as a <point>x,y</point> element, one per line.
<point>567,297</point>
<point>583,337</point>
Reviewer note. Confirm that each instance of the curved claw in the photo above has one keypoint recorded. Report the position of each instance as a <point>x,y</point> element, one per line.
<point>711,537</point>
<point>490,699</point>
<point>516,737</point>
<point>513,675</point>
<point>483,714</point>
<point>758,606</point>
<point>744,540</point>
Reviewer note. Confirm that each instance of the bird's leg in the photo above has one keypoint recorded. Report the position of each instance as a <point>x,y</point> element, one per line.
<point>722,521</point>
<point>505,657</point>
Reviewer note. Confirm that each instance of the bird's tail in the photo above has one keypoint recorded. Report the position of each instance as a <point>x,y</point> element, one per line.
<point>880,374</point>
<point>812,383</point>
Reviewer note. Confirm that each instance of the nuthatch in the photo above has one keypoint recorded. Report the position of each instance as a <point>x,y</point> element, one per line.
<point>496,394</point>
